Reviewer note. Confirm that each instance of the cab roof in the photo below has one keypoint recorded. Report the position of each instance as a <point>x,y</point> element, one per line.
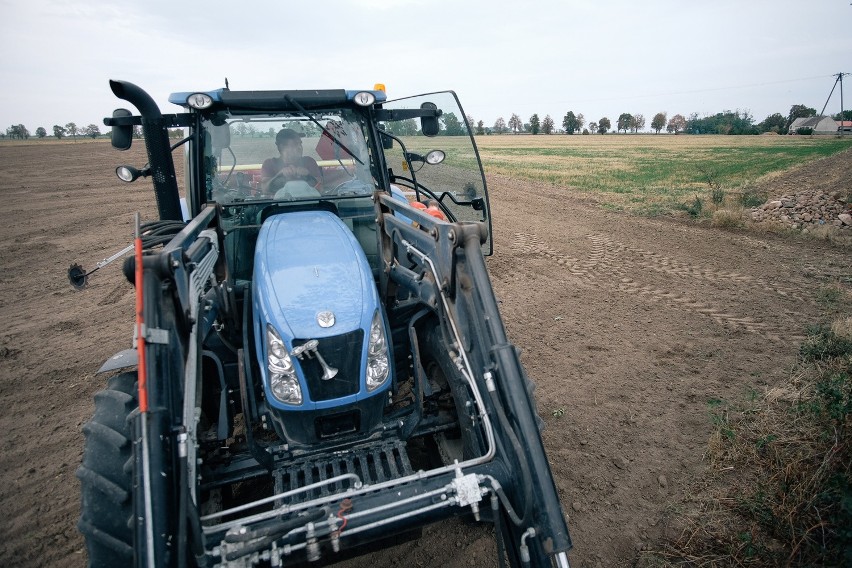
<point>277,100</point>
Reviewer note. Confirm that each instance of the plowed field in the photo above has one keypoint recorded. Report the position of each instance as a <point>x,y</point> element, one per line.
<point>628,325</point>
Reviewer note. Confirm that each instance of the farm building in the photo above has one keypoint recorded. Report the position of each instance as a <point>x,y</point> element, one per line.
<point>846,125</point>
<point>819,125</point>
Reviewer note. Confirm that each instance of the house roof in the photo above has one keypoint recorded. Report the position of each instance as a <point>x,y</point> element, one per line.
<point>813,122</point>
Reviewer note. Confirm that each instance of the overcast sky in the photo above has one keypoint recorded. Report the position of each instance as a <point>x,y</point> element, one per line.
<point>596,57</point>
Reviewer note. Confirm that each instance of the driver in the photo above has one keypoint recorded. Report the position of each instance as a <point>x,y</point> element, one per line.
<point>290,165</point>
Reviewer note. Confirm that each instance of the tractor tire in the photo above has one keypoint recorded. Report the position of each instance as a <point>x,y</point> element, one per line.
<point>105,475</point>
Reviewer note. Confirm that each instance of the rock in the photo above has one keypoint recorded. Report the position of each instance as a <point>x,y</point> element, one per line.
<point>620,462</point>
<point>577,506</point>
<point>663,481</point>
<point>845,218</point>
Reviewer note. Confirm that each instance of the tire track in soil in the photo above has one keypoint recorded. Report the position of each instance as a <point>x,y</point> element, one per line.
<point>612,264</point>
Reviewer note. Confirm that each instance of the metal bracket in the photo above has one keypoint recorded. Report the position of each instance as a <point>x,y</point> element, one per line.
<point>152,335</point>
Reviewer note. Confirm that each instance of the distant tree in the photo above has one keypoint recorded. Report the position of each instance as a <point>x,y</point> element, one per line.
<point>799,111</point>
<point>72,130</point>
<point>676,124</point>
<point>527,127</point>
<point>93,131</point>
<point>251,130</point>
<point>471,125</point>
<point>726,122</point>
<point>58,131</point>
<point>407,127</point>
<point>624,122</point>
<point>500,125</point>
<point>603,125</point>
<point>658,122</point>
<point>480,128</point>
<point>845,115</point>
<point>18,131</point>
<point>515,123</point>
<point>774,123</point>
<point>452,126</point>
<point>137,131</point>
<point>570,123</point>
<point>581,120</point>
<point>547,124</point>
<point>638,123</point>
<point>41,132</point>
<point>593,127</point>
<point>535,124</point>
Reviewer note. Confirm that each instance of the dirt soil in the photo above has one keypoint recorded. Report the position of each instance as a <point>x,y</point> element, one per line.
<point>629,326</point>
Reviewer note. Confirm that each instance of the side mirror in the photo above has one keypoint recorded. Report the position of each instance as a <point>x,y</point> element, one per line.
<point>122,136</point>
<point>429,124</point>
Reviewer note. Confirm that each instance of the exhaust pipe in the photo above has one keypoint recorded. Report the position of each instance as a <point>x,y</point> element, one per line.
<point>156,133</point>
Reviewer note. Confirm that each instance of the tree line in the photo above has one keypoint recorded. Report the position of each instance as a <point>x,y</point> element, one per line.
<point>20,132</point>
<point>726,122</point>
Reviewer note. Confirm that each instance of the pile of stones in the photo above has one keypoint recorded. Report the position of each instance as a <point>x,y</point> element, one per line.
<point>806,210</point>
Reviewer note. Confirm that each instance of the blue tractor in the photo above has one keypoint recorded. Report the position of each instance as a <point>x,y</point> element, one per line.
<point>319,365</point>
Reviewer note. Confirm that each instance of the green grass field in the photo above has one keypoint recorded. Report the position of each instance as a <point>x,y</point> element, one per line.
<point>650,174</point>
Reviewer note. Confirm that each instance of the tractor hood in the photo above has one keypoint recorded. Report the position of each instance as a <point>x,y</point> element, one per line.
<point>311,278</point>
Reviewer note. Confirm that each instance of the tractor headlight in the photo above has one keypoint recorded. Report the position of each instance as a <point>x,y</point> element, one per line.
<point>377,355</point>
<point>364,98</point>
<point>199,101</point>
<point>282,376</point>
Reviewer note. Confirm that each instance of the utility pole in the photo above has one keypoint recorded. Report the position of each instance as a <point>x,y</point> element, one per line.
<point>836,81</point>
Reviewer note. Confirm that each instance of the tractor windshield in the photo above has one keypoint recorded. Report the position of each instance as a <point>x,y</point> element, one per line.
<point>287,157</point>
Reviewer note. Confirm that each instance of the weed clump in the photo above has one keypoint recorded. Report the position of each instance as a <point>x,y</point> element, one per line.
<point>727,218</point>
<point>781,489</point>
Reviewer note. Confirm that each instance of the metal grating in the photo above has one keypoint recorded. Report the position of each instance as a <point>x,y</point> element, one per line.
<point>372,464</point>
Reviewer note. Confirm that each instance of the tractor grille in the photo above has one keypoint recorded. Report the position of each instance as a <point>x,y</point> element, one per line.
<point>342,352</point>
<point>372,465</point>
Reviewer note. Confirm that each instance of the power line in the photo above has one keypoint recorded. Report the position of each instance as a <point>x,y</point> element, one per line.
<point>696,91</point>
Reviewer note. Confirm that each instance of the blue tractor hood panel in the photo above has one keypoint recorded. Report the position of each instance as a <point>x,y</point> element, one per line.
<point>310,262</point>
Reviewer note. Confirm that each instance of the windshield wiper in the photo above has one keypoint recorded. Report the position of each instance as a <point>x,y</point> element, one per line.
<point>310,117</point>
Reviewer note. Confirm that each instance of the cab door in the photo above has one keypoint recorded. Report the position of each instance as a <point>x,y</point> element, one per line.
<point>457,183</point>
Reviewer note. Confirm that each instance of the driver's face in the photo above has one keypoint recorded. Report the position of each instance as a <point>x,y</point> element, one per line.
<point>291,151</point>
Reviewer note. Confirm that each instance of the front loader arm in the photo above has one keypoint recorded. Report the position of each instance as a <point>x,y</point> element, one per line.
<point>441,264</point>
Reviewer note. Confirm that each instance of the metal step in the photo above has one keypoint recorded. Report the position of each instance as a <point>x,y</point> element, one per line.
<point>372,464</point>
